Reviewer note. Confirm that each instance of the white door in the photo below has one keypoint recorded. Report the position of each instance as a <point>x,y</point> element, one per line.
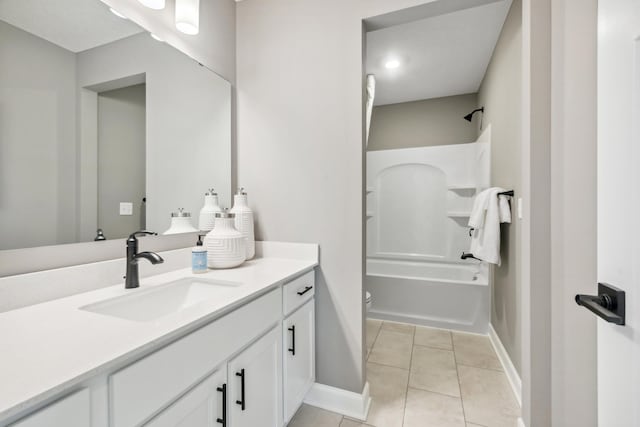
<point>619,207</point>
<point>202,406</point>
<point>255,383</point>
<point>299,357</point>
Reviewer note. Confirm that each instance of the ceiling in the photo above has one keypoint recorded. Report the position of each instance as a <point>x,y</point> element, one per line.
<point>439,56</point>
<point>75,25</point>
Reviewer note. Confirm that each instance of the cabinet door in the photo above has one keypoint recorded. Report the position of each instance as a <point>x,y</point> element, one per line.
<point>202,406</point>
<point>255,383</point>
<point>71,411</point>
<point>299,357</point>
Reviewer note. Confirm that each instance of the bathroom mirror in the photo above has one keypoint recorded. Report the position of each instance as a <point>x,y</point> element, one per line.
<point>102,126</point>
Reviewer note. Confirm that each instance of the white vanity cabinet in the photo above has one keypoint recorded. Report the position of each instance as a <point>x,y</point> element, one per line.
<point>70,411</point>
<point>298,328</point>
<point>255,383</point>
<point>242,369</point>
<point>202,406</point>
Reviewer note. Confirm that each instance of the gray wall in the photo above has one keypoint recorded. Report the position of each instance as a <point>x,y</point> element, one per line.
<point>436,121</point>
<point>300,151</point>
<point>501,95</point>
<point>37,134</point>
<point>121,159</point>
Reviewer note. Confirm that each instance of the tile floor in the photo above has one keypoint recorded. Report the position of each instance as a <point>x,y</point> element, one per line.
<point>424,377</point>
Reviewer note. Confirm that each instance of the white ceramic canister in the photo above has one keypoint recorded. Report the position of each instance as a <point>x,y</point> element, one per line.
<point>244,221</point>
<point>208,212</point>
<point>180,223</point>
<point>226,246</point>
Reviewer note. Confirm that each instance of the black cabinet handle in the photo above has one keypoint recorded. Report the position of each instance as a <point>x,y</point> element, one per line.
<point>293,340</point>
<point>306,289</point>
<point>223,420</point>
<point>241,402</point>
<point>608,304</point>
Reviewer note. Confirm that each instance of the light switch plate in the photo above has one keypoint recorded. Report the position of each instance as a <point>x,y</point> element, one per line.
<point>519,207</point>
<point>126,208</point>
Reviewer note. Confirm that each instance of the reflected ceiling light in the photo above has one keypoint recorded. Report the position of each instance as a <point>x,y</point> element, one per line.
<point>156,37</point>
<point>153,4</point>
<point>391,64</point>
<point>118,14</point>
<point>188,16</point>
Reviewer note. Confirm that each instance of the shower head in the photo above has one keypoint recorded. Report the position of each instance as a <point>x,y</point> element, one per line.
<point>469,116</point>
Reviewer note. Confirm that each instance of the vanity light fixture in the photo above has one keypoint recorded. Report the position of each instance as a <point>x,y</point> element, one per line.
<point>153,4</point>
<point>392,64</point>
<point>188,16</point>
<point>118,14</point>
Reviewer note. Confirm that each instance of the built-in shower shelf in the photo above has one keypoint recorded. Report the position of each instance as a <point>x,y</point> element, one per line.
<point>458,214</point>
<point>462,188</point>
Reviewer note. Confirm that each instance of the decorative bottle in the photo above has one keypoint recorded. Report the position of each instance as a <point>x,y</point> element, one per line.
<point>180,223</point>
<point>226,246</point>
<point>208,212</point>
<point>244,221</point>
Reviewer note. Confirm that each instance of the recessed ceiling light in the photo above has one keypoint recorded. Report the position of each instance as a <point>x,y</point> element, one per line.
<point>188,16</point>
<point>391,64</point>
<point>118,14</point>
<point>156,37</point>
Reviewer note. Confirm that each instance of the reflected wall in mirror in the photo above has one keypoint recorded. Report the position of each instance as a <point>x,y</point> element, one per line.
<point>102,126</point>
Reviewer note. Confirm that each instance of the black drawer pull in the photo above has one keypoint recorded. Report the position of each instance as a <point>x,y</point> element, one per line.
<point>241,402</point>
<point>293,340</point>
<point>223,420</point>
<point>306,289</point>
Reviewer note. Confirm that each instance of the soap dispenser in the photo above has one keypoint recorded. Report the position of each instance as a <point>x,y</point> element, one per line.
<point>199,257</point>
<point>208,212</point>
<point>244,221</point>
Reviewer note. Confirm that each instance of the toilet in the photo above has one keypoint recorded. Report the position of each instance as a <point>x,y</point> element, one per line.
<point>368,300</point>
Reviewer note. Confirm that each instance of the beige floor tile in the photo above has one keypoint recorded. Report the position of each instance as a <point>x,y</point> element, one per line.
<point>373,327</point>
<point>346,422</point>
<point>402,328</point>
<point>309,416</point>
<point>388,387</point>
<point>392,349</point>
<point>432,409</point>
<point>474,425</point>
<point>434,370</point>
<point>475,350</point>
<point>487,397</point>
<point>431,337</point>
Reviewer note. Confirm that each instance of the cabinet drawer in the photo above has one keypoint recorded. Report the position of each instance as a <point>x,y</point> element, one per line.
<point>142,389</point>
<point>299,291</point>
<point>70,411</point>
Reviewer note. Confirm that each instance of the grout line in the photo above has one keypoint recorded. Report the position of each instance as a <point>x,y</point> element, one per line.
<point>390,366</point>
<point>464,414</point>
<point>434,348</point>
<point>480,367</point>
<point>434,392</point>
<point>406,391</point>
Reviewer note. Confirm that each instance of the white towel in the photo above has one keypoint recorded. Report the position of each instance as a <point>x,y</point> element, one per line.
<point>489,210</point>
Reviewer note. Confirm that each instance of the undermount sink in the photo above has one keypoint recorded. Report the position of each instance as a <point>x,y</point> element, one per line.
<point>144,305</point>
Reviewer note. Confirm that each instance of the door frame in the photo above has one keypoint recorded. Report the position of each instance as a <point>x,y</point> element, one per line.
<point>559,224</point>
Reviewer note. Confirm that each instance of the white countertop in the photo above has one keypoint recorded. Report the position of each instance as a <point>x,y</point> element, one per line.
<point>49,347</point>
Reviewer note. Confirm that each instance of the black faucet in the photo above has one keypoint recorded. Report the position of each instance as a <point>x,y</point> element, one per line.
<point>132,279</point>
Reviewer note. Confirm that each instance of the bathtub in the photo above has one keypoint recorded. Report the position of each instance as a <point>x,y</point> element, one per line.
<point>443,295</point>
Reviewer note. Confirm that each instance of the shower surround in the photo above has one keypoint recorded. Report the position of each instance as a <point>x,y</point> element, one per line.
<point>418,205</point>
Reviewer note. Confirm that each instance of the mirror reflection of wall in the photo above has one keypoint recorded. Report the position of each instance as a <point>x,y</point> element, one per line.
<point>95,118</point>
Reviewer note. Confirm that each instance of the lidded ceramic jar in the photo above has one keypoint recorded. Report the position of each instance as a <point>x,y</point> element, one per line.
<point>180,223</point>
<point>207,217</point>
<point>244,221</point>
<point>226,246</point>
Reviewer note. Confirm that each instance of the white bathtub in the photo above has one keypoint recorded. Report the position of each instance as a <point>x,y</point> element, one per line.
<point>444,295</point>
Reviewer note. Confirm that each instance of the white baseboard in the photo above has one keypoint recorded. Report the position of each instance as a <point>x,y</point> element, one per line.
<point>507,365</point>
<point>348,403</point>
<point>521,423</point>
